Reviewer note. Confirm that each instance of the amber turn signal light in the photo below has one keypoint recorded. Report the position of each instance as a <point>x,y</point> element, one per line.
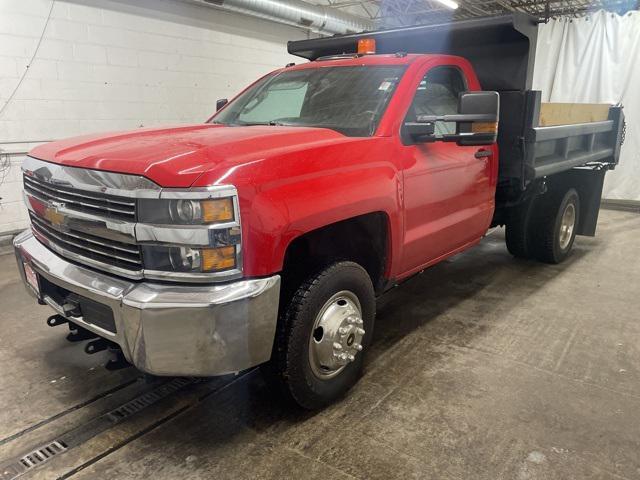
<point>484,127</point>
<point>366,46</point>
<point>215,211</point>
<point>222,258</point>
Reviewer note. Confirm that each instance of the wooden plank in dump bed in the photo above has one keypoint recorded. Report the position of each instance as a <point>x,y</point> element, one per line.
<point>552,114</point>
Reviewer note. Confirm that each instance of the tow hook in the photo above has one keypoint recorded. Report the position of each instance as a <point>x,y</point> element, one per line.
<point>98,345</point>
<point>78,334</point>
<point>55,320</point>
<point>118,362</point>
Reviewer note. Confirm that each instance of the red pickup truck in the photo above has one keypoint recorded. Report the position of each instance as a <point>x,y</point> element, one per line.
<point>264,235</point>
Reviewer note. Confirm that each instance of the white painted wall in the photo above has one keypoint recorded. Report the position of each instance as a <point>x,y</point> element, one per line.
<point>112,65</point>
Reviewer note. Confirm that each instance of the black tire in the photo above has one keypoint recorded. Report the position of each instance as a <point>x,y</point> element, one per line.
<point>290,365</point>
<point>546,223</point>
<point>517,230</point>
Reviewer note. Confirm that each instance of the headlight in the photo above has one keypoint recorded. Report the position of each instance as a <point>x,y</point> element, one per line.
<point>186,211</point>
<point>189,259</point>
<point>191,238</point>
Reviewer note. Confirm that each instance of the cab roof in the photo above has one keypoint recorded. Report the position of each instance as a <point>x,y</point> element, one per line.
<point>360,60</point>
<point>501,49</point>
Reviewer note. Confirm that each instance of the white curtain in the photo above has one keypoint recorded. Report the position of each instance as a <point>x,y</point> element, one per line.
<point>596,59</point>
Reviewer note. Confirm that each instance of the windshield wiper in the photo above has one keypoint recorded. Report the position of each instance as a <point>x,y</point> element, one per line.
<point>272,123</point>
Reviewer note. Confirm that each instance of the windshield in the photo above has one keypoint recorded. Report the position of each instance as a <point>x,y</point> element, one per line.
<point>350,100</point>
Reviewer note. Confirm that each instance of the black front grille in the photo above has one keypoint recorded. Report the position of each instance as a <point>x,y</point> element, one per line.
<point>99,249</point>
<point>95,203</point>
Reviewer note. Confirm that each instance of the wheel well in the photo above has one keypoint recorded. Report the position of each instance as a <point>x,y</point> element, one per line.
<point>362,239</point>
<point>588,183</point>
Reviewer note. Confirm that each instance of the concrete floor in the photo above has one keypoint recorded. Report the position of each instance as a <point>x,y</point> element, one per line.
<point>483,367</point>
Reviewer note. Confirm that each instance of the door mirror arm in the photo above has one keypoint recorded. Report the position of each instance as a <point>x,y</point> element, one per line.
<point>419,132</point>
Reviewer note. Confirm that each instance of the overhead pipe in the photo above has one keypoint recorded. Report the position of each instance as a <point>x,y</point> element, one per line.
<point>317,18</point>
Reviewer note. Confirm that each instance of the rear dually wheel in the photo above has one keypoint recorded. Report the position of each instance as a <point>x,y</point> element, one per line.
<point>554,225</point>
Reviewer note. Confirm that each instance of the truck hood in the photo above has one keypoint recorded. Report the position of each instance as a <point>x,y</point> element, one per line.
<point>177,156</point>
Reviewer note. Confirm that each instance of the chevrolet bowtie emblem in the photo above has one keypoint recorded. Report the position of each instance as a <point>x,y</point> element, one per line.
<point>53,214</point>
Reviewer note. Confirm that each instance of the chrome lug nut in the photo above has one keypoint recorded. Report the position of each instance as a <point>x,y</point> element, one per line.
<point>360,331</point>
<point>337,346</point>
<point>351,358</point>
<point>343,330</point>
<point>357,346</point>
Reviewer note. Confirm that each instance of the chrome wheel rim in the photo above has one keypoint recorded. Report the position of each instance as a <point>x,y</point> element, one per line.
<point>567,225</point>
<point>336,336</point>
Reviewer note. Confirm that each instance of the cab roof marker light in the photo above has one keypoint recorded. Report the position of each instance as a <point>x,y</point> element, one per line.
<point>366,46</point>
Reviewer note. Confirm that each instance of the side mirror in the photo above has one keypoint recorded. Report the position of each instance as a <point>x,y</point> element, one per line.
<point>479,113</point>
<point>221,103</point>
<point>476,122</point>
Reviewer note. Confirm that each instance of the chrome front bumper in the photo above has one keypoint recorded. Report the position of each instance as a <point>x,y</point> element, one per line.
<point>163,329</point>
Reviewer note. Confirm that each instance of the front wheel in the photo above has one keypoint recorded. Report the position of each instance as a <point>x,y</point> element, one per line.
<point>322,335</point>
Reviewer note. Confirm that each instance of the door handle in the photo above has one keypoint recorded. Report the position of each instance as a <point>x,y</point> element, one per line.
<point>483,153</point>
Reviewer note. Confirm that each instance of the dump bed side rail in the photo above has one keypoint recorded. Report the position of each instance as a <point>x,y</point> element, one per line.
<point>529,151</point>
<point>549,150</point>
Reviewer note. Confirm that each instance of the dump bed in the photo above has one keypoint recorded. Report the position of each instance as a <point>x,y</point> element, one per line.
<point>502,52</point>
<point>537,140</point>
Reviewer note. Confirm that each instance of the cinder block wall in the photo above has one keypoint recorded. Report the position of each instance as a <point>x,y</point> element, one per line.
<point>112,65</point>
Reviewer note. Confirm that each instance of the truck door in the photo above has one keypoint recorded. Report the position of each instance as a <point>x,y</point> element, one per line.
<point>448,189</point>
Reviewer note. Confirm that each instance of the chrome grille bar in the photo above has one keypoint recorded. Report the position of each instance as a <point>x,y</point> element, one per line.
<point>84,194</point>
<point>102,250</point>
<point>99,242</point>
<point>104,205</point>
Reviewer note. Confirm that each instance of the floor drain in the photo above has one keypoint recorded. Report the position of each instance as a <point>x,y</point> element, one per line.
<point>21,465</point>
<point>32,459</point>
<point>143,401</point>
<point>38,456</point>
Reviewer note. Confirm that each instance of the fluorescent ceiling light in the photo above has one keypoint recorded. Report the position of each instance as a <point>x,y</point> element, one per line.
<point>449,3</point>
